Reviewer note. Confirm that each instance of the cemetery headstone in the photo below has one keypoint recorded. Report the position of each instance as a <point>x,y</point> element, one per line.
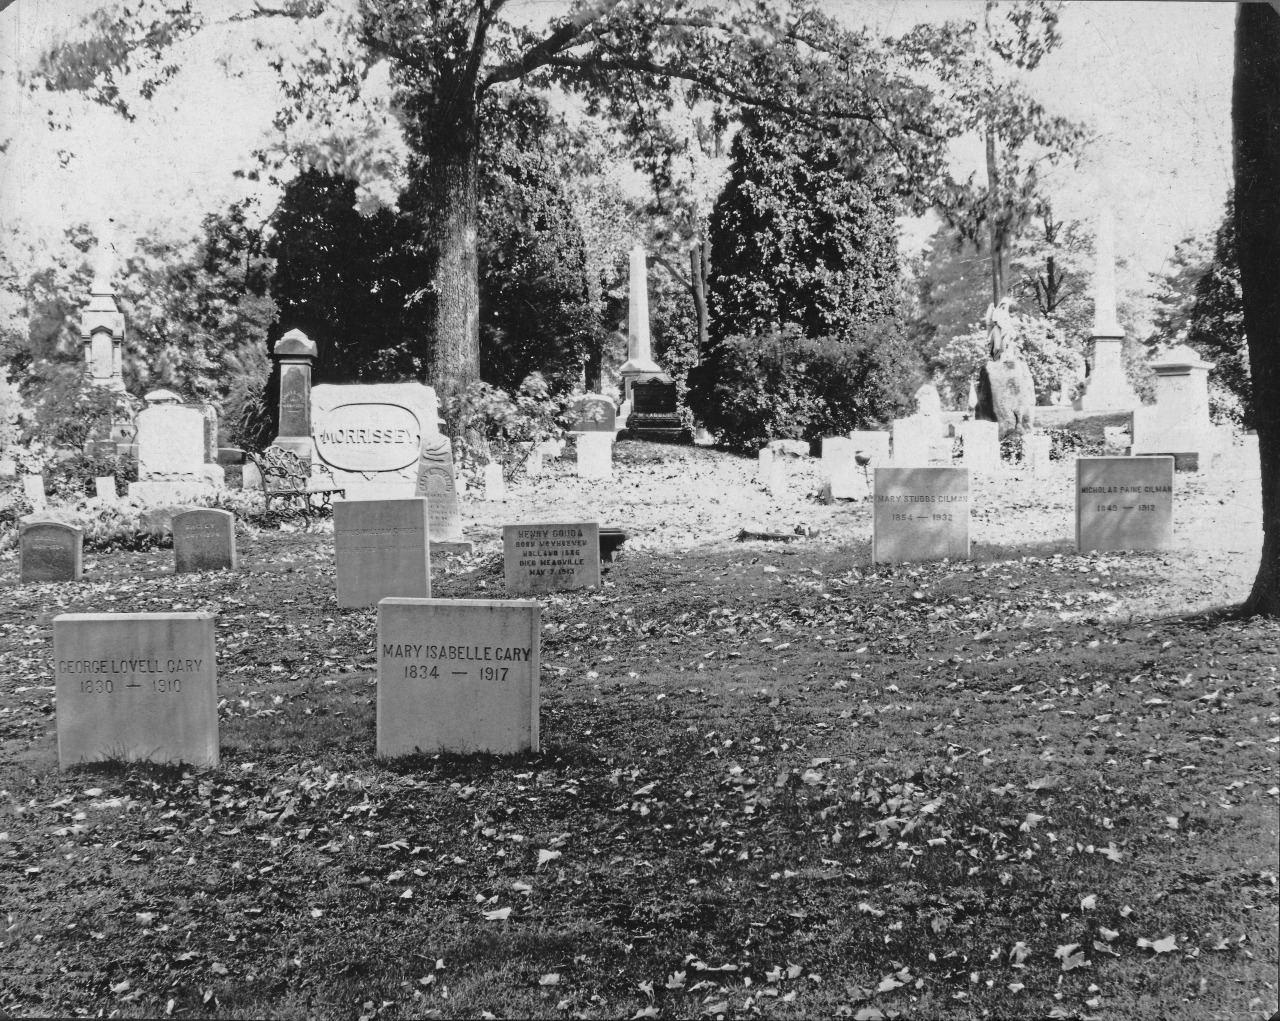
<point>655,411</point>
<point>912,440</point>
<point>533,463</point>
<point>381,549</point>
<point>595,455</point>
<point>438,482</point>
<point>458,676</point>
<point>872,443</point>
<point>550,557</point>
<point>50,551</point>
<point>1179,422</point>
<point>495,486</point>
<point>171,453</point>
<point>928,401</point>
<point>295,353</point>
<point>920,514</point>
<point>593,413</point>
<point>33,490</point>
<point>846,477</point>
<point>105,488</point>
<point>8,467</point>
<point>204,540</point>
<point>981,445</point>
<point>639,364</point>
<point>1124,503</point>
<point>370,435</point>
<point>136,687</point>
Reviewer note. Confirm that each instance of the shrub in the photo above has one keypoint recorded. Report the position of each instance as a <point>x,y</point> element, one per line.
<point>71,478</point>
<point>504,428</point>
<point>70,410</point>
<point>783,385</point>
<point>1054,362</point>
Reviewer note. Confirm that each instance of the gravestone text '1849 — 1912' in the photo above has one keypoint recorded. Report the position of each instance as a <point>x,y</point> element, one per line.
<point>1124,503</point>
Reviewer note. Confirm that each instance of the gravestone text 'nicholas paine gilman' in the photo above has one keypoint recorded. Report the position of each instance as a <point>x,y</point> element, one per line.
<point>50,551</point>
<point>381,549</point>
<point>542,557</point>
<point>1124,503</point>
<point>204,540</point>
<point>458,676</point>
<point>920,514</point>
<point>136,687</point>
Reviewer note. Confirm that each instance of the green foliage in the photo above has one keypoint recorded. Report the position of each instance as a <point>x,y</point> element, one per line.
<point>784,385</point>
<point>1055,362</point>
<point>70,410</point>
<point>351,283</point>
<point>535,309</point>
<point>71,478</point>
<point>800,235</point>
<point>503,427</point>
<point>1215,320</point>
<point>11,409</point>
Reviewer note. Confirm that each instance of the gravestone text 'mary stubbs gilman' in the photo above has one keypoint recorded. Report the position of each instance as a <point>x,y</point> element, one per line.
<point>458,676</point>
<point>550,557</point>
<point>920,514</point>
<point>136,687</point>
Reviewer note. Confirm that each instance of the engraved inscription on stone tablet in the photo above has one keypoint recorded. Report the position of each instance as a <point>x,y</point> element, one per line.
<point>1124,503</point>
<point>551,557</point>
<point>920,514</point>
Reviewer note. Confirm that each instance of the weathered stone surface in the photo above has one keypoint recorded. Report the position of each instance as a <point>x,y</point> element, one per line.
<point>50,551</point>
<point>380,549</point>
<point>437,481</point>
<point>981,445</point>
<point>105,488</point>
<point>373,432</point>
<point>204,540</point>
<point>541,557</point>
<point>920,514</point>
<point>592,413</point>
<point>595,455</point>
<point>495,486</point>
<point>1007,395</point>
<point>458,676</point>
<point>33,490</point>
<point>170,441</point>
<point>136,686</point>
<point>1124,503</point>
<point>913,441</point>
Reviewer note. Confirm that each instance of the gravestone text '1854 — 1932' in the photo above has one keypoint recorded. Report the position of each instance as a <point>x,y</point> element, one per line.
<point>920,514</point>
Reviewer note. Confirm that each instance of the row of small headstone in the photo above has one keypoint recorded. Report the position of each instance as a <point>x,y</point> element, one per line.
<point>454,675</point>
<point>204,539</point>
<point>1122,503</point>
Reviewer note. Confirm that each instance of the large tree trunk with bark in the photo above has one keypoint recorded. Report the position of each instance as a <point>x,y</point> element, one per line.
<point>994,225</point>
<point>1255,116</point>
<point>450,201</point>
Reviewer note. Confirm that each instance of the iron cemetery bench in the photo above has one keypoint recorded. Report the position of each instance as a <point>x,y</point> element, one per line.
<point>286,476</point>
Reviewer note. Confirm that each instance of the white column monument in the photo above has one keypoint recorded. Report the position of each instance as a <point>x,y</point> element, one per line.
<point>639,364</point>
<point>1106,389</point>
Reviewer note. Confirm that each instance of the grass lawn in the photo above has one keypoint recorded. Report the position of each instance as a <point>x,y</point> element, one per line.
<point>775,781</point>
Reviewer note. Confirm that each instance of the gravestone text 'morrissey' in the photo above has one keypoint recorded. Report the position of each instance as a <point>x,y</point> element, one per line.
<point>920,514</point>
<point>204,540</point>
<point>1124,503</point>
<point>550,557</point>
<point>458,676</point>
<point>381,549</point>
<point>136,686</point>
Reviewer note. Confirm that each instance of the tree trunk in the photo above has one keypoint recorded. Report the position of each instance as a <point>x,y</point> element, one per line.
<point>450,205</point>
<point>1255,116</point>
<point>699,263</point>
<point>993,218</point>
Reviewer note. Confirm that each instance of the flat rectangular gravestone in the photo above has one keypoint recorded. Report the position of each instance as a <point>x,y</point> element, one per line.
<point>1124,503</point>
<point>381,549</point>
<point>438,482</point>
<point>920,514</point>
<point>458,676</point>
<point>105,488</point>
<point>542,557</point>
<point>50,551</point>
<point>136,686</point>
<point>204,540</point>
<point>33,490</point>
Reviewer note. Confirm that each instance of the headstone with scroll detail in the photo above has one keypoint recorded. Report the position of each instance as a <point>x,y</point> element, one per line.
<point>438,482</point>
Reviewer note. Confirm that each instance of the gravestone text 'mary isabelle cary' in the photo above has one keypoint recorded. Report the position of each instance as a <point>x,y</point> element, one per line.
<point>458,676</point>
<point>539,558</point>
<point>920,514</point>
<point>136,687</point>
<point>380,549</point>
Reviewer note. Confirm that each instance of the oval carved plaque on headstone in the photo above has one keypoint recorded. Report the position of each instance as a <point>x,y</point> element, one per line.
<point>368,437</point>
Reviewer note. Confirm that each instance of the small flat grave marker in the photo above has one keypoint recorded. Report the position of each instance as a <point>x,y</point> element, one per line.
<point>595,455</point>
<point>458,676</point>
<point>136,686</point>
<point>50,551</point>
<point>1124,503</point>
<point>204,540</point>
<point>105,488</point>
<point>551,557</point>
<point>381,549</point>
<point>920,514</point>
<point>33,490</point>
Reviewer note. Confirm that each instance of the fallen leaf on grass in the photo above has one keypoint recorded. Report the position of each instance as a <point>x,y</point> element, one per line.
<point>120,987</point>
<point>888,984</point>
<point>1089,903</point>
<point>1160,946</point>
<point>1070,959</point>
<point>500,915</point>
<point>676,980</point>
<point>1107,934</point>
<point>218,968</point>
<point>545,856</point>
<point>869,1014</point>
<point>550,979</point>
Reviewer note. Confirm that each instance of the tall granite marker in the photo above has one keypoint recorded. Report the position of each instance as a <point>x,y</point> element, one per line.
<point>1107,388</point>
<point>295,354</point>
